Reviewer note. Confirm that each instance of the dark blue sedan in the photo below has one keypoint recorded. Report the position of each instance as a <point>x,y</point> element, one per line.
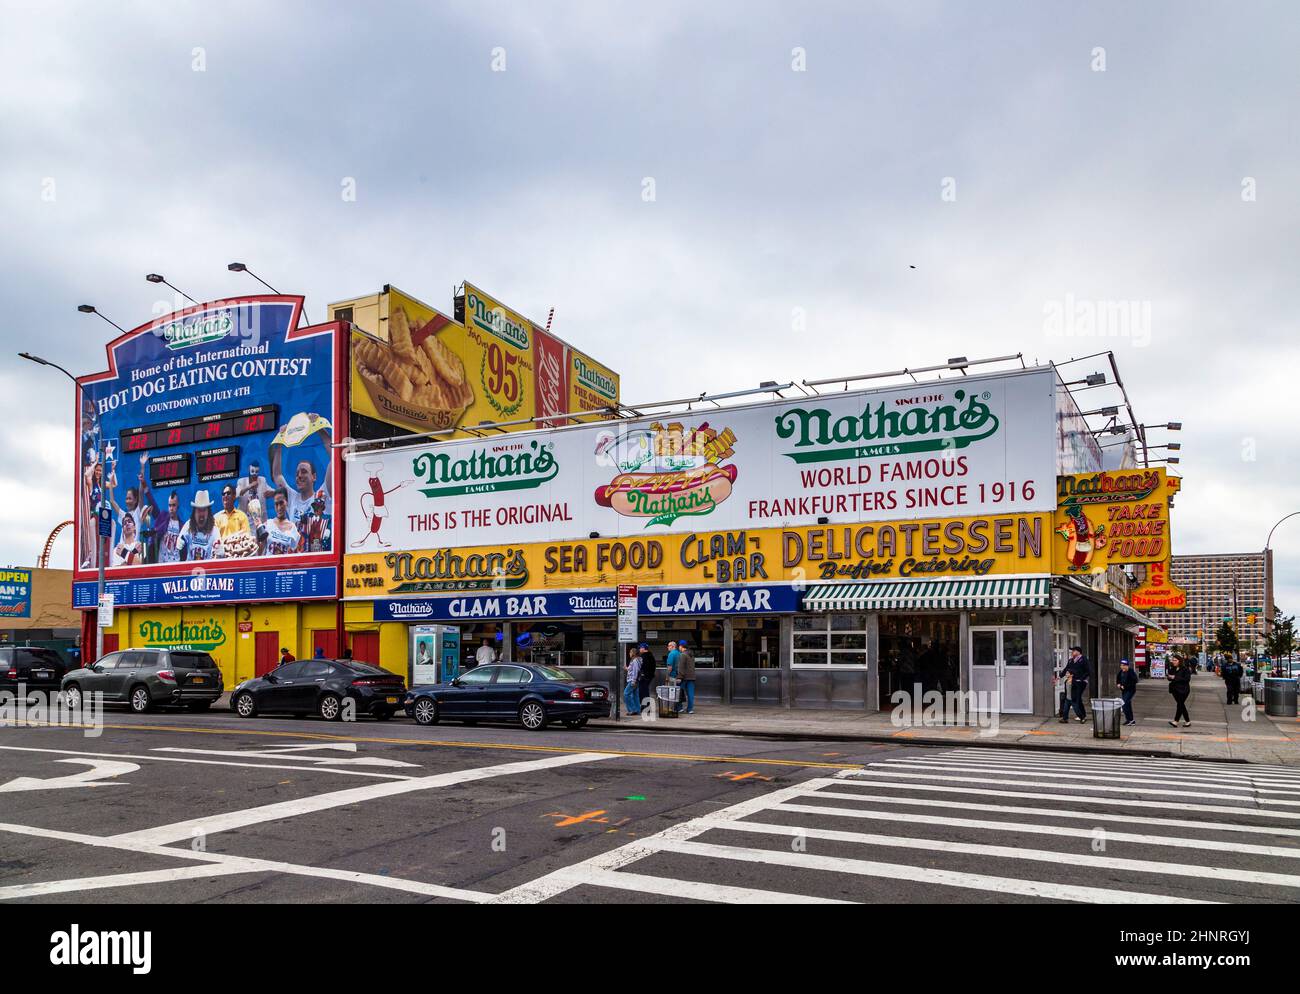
<point>534,696</point>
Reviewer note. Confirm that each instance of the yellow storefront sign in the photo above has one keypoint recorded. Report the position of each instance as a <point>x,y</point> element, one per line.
<point>592,386</point>
<point>920,549</point>
<point>496,346</point>
<point>1111,519</point>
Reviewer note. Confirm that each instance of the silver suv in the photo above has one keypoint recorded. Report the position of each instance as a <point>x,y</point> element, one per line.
<point>146,678</point>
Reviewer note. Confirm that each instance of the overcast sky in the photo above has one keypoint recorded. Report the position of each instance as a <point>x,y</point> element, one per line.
<point>1025,158</point>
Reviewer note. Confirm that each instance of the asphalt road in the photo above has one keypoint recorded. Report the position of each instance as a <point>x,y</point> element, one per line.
<point>174,807</point>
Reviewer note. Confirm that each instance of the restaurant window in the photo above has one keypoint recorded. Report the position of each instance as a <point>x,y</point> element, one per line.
<point>830,640</point>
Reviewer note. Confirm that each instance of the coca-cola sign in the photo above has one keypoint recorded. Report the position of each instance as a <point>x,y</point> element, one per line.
<point>551,379</point>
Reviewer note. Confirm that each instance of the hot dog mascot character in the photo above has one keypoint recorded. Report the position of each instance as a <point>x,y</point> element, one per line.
<point>373,505</point>
<point>1082,537</point>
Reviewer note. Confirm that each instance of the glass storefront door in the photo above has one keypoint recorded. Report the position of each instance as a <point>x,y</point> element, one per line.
<point>1001,663</point>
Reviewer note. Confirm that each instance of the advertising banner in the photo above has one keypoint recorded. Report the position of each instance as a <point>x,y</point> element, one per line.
<point>762,599</point>
<point>979,546</point>
<point>551,365</point>
<point>1159,591</point>
<point>15,593</point>
<point>209,439</point>
<point>969,446</point>
<point>592,387</point>
<point>205,586</point>
<point>417,378</point>
<point>496,345</point>
<point>1111,519</point>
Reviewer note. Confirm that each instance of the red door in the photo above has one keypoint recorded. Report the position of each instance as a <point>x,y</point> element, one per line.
<point>326,639</point>
<point>365,646</point>
<point>110,642</point>
<point>266,652</point>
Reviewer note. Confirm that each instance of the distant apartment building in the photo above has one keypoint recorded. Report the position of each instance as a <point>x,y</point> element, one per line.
<point>1219,586</point>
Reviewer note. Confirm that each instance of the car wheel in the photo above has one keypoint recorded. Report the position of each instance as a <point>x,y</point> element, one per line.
<point>330,707</point>
<point>425,711</point>
<point>244,705</point>
<point>72,695</point>
<point>140,699</point>
<point>574,723</point>
<point>532,715</point>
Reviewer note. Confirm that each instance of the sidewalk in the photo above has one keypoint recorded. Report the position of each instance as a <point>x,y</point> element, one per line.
<point>1217,731</point>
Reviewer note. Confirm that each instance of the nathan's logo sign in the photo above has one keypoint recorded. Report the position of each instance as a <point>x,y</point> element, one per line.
<point>1107,488</point>
<point>668,472</point>
<point>495,320</point>
<point>510,466</point>
<point>595,380</point>
<point>1112,519</point>
<point>195,331</point>
<point>200,636</point>
<point>446,569</point>
<point>886,431</point>
<point>1158,590</point>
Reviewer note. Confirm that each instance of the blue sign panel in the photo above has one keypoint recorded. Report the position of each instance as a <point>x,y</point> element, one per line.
<point>15,593</point>
<point>209,585</point>
<point>666,601</point>
<point>209,438</point>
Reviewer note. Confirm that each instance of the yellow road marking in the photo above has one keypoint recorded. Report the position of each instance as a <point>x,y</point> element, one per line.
<point>507,746</point>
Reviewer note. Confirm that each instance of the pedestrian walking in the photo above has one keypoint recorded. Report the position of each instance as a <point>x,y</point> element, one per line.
<point>1128,685</point>
<point>1180,685</point>
<point>631,694</point>
<point>646,676</point>
<point>686,676</point>
<point>1076,674</point>
<point>287,657</point>
<point>1232,672</point>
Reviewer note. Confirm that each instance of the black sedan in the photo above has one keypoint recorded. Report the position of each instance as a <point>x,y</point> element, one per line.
<point>534,696</point>
<point>30,669</point>
<point>330,688</point>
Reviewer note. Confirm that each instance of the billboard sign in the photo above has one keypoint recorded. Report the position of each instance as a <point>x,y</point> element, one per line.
<point>15,593</point>
<point>964,447</point>
<point>209,440</point>
<point>1111,519</point>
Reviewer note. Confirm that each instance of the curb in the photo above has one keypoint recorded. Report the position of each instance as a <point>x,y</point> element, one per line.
<point>779,736</point>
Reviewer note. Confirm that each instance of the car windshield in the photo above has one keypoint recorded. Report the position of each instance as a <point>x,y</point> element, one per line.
<point>551,673</point>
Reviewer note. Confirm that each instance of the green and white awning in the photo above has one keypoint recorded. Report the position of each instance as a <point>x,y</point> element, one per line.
<point>913,595</point>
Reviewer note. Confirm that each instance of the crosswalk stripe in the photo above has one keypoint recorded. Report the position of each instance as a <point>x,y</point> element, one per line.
<point>919,874</point>
<point>1013,852</point>
<point>686,889</point>
<point>1067,766</point>
<point>1012,809</point>
<point>894,772</point>
<point>1190,763</point>
<point>934,765</point>
<point>1074,798</point>
<point>1029,828</point>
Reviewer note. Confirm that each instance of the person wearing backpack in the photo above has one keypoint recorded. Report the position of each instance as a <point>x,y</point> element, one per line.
<point>1232,671</point>
<point>686,677</point>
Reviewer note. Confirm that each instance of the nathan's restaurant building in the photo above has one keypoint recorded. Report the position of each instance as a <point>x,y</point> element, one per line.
<point>821,552</point>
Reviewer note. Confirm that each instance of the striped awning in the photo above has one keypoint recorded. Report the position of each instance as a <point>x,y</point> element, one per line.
<point>911,595</point>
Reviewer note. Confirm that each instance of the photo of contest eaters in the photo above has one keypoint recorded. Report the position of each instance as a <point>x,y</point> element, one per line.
<point>278,506</point>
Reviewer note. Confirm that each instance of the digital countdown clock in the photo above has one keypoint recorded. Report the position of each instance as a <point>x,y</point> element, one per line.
<point>217,464</point>
<point>208,428</point>
<point>170,471</point>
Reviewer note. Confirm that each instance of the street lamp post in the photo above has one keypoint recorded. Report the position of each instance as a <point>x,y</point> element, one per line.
<point>1267,543</point>
<point>101,546</point>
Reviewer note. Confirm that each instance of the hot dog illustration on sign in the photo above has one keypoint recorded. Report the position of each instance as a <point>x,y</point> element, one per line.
<point>1082,537</point>
<point>373,506</point>
<point>668,471</point>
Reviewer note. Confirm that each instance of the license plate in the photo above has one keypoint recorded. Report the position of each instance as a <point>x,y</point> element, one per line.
<point>198,679</point>
<point>390,700</point>
<point>41,674</point>
<point>597,694</point>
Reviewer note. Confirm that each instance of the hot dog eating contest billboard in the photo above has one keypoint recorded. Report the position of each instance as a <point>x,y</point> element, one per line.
<point>205,451</point>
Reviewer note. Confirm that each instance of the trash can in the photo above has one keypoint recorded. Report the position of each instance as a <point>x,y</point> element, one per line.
<point>1258,691</point>
<point>1280,697</point>
<point>667,698</point>
<point>1106,712</point>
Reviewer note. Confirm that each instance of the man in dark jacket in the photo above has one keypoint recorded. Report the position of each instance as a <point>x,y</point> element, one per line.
<point>686,677</point>
<point>646,678</point>
<point>1076,674</point>
<point>1128,685</point>
<point>1232,672</point>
